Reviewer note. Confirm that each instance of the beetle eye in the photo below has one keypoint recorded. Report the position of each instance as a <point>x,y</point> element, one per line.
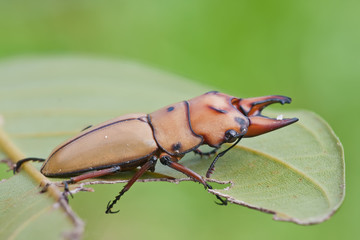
<point>231,135</point>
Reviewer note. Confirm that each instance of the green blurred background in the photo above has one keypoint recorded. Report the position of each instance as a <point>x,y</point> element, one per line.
<point>309,50</point>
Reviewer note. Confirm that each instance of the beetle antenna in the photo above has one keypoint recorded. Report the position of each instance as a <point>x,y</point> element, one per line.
<point>212,166</point>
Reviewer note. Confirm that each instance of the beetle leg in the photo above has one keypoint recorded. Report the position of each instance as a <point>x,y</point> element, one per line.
<point>88,175</point>
<point>222,201</point>
<point>22,161</point>
<point>94,174</point>
<point>148,165</point>
<point>201,153</point>
<point>67,190</point>
<point>166,160</point>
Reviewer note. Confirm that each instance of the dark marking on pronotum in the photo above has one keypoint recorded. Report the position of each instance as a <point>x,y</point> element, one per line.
<point>217,110</point>
<point>176,146</point>
<point>169,109</point>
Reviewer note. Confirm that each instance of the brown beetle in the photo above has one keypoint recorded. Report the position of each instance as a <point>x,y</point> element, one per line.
<point>134,140</point>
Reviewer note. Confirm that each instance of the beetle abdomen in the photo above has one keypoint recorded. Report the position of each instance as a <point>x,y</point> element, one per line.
<point>119,141</point>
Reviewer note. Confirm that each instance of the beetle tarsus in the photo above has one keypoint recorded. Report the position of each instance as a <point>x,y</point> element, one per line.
<point>210,171</point>
<point>108,208</point>
<point>22,161</point>
<point>222,201</point>
<point>117,198</point>
<point>111,204</point>
<point>207,154</point>
<point>66,189</point>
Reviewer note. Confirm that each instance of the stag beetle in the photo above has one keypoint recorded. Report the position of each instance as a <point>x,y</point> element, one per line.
<point>139,140</point>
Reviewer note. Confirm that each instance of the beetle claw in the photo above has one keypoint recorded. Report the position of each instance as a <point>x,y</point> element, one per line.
<point>108,209</point>
<point>222,201</point>
<point>112,212</point>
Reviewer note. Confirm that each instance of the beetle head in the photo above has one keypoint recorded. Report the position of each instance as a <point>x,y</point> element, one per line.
<point>259,124</point>
<point>221,118</point>
<point>216,119</point>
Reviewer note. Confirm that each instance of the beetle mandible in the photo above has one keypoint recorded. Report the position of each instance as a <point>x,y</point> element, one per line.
<point>139,140</point>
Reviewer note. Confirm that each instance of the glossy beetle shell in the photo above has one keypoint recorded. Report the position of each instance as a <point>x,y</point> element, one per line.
<point>129,141</point>
<point>126,140</point>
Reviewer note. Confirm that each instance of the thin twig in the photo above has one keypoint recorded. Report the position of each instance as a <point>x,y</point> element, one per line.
<point>14,154</point>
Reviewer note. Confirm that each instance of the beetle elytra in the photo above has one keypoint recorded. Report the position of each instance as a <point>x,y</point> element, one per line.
<point>139,140</point>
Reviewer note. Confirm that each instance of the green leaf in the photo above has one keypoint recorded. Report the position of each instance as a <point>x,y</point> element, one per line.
<point>296,173</point>
<point>24,213</point>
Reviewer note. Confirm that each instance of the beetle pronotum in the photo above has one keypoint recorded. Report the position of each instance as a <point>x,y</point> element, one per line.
<point>139,140</point>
